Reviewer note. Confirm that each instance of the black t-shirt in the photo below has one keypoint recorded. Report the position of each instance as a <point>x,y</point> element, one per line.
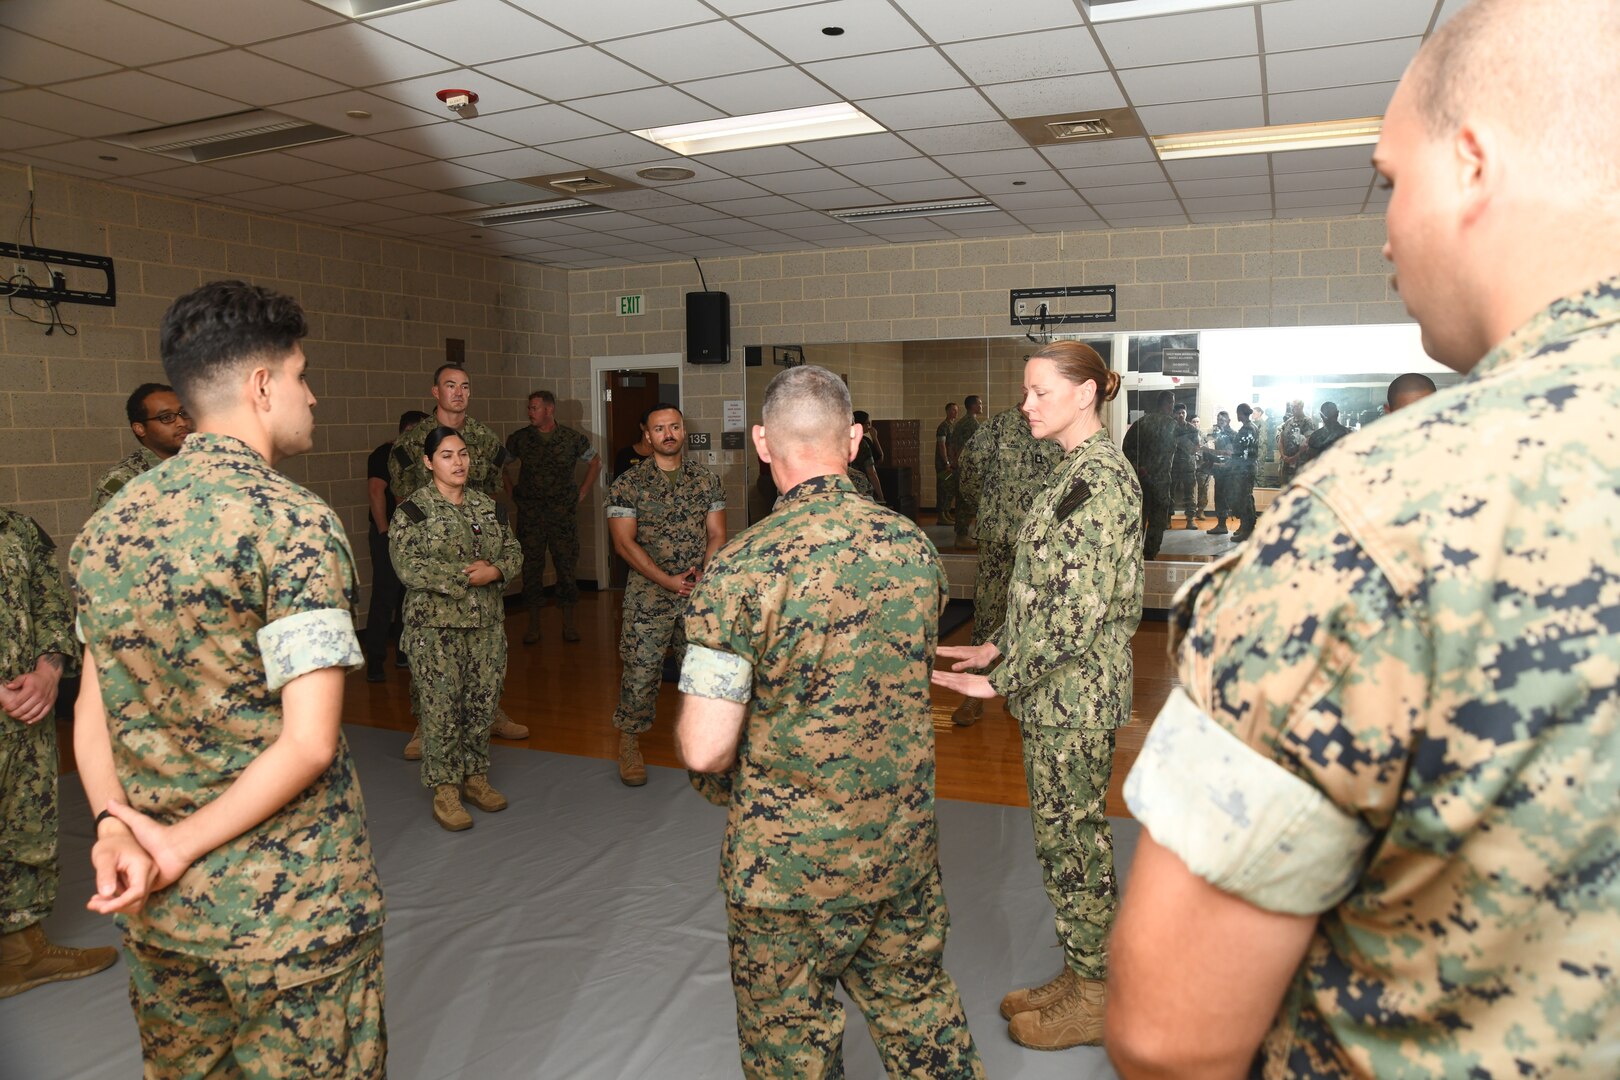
<point>377,469</point>
<point>626,459</point>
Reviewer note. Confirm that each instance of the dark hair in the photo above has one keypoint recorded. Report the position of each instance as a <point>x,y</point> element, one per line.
<point>442,368</point>
<point>410,418</point>
<point>544,395</point>
<point>863,418</point>
<point>1080,363</point>
<point>949,405</point>
<point>437,436</point>
<point>660,407</point>
<point>1163,398</point>
<point>1244,410</point>
<point>970,401</point>
<point>214,328</point>
<point>135,407</point>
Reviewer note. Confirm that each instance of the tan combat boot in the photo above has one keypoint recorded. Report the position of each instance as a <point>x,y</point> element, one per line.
<point>1074,1019</point>
<point>505,727</point>
<point>967,714</point>
<point>570,631</point>
<point>28,959</point>
<point>413,749</point>
<point>447,809</point>
<point>532,634</point>
<point>632,770</point>
<point>476,790</point>
<point>1035,998</point>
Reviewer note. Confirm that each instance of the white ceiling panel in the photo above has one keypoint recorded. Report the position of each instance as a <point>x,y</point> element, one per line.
<point>106,30</point>
<point>353,54</point>
<point>430,202</point>
<point>1176,39</point>
<point>694,52</point>
<point>653,106</point>
<point>1321,198</point>
<point>992,162</point>
<point>932,109</point>
<point>1034,180</point>
<point>158,100</point>
<point>699,170</point>
<point>246,76</point>
<point>1102,152</point>
<point>1146,172</point>
<point>288,197</point>
<point>88,154</point>
<point>601,20</point>
<point>840,197</point>
<point>1223,185</point>
<point>1067,93</point>
<point>1237,76</point>
<point>333,109</point>
<point>353,213</point>
<point>765,159</point>
<point>242,23</point>
<point>1065,217</point>
<point>924,190</point>
<point>838,152</point>
<point>960,20</point>
<point>1207,168</point>
<point>540,125</point>
<point>756,207</point>
<point>1344,210</point>
<point>494,96</point>
<point>1130,193</point>
<point>1339,103</point>
<point>199,178</point>
<point>761,91</point>
<point>792,183</point>
<point>280,168</point>
<point>966,138</point>
<point>361,187</point>
<point>909,71</point>
<point>1023,57</point>
<point>621,149</point>
<point>474,31</point>
<point>868,28</point>
<point>446,141</point>
<point>710,192</point>
<point>1312,24</point>
<point>1034,200</point>
<point>358,155</point>
<point>1223,203</point>
<point>570,73</point>
<point>1344,65</point>
<point>1338,157</point>
<point>1324,180</point>
<point>32,61</point>
<point>436,175</point>
<point>66,115</point>
<point>893,172</point>
<point>516,164</point>
<point>1202,116</point>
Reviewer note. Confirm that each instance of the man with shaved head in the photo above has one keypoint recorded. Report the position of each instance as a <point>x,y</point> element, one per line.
<point>1382,812</point>
<point>1406,389</point>
<point>815,632</point>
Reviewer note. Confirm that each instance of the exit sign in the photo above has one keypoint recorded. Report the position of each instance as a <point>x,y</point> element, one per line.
<point>630,305</point>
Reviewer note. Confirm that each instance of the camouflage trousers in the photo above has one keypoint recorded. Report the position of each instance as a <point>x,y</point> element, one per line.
<point>541,529</point>
<point>653,620</point>
<point>888,958</point>
<point>990,589</point>
<point>944,494</point>
<point>456,680</point>
<point>28,866</point>
<point>1155,512</point>
<point>318,1013</point>
<point>1068,770</point>
<point>1182,494</point>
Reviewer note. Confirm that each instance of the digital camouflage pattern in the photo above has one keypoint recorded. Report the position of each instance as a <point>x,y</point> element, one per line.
<point>126,469</point>
<point>1292,436</point>
<point>454,632</point>
<point>823,620</point>
<point>35,618</point>
<point>944,477</point>
<point>210,583</point>
<point>1150,447</point>
<point>862,482</point>
<point>888,957</point>
<point>1074,602</point>
<point>1324,437</point>
<point>1184,470</point>
<point>1240,479</point>
<point>1003,468</point>
<point>547,498</point>
<point>1425,631</point>
<point>319,1013</point>
<point>962,510</point>
<point>672,528</point>
<point>486,457</point>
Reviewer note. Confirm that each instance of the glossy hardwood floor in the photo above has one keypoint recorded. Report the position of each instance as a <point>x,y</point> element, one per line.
<point>565,693</point>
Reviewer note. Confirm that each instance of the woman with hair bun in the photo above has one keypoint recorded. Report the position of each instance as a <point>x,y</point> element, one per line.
<point>1074,602</point>
<point>454,551</point>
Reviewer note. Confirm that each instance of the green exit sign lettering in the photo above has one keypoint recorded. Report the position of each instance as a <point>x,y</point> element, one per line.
<point>630,305</point>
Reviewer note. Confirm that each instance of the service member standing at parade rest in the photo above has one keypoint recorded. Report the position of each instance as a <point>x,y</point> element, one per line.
<point>1003,468</point>
<point>806,713</point>
<point>453,551</point>
<point>36,650</point>
<point>667,518</point>
<point>1074,602</point>
<point>160,424</point>
<point>962,510</point>
<point>944,478</point>
<point>1382,811</point>
<point>545,455</point>
<point>230,833</point>
<point>407,472</point>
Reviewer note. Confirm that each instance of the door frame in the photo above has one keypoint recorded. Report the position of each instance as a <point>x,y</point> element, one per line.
<point>659,362</point>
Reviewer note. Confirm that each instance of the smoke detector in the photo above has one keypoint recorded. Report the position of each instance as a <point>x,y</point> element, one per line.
<point>458,101</point>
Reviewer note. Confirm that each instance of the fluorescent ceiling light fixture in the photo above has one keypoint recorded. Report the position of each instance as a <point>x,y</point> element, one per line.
<point>234,135</point>
<point>366,9</point>
<point>910,210</point>
<point>539,211</point>
<point>1102,11</point>
<point>763,129</point>
<point>1269,140</point>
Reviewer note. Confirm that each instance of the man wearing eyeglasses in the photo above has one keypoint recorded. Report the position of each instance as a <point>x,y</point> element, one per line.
<point>160,424</point>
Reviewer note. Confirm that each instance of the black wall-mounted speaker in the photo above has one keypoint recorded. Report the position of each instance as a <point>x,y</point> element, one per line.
<point>708,328</point>
<point>753,355</point>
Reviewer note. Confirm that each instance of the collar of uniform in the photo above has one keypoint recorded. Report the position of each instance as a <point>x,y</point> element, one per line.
<point>200,442</point>
<point>148,457</point>
<point>817,485</point>
<point>1565,317</point>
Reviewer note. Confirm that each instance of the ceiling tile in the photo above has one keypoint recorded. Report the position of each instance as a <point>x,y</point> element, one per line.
<point>246,76</point>
<point>1321,197</point>
<point>239,24</point>
<point>156,99</point>
<point>925,190</point>
<point>1129,193</point>
<point>358,155</point>
<point>840,197</point>
<point>761,91</point>
<point>597,20</point>
<point>332,111</point>
<point>1206,168</point>
<point>695,216</point>
<point>65,115</point>
<point>789,183</point>
<point>361,187</point>
<point>934,109</point>
<point>605,150</point>
<point>494,96</point>
<point>1223,203</point>
<point>966,138</point>
<point>1104,152</point>
<point>202,179</point>
<point>87,154</point>
<point>32,61</point>
<point>430,202</point>
<point>1043,179</point>
<point>353,54</point>
<point>903,171</point>
<point>1344,210</point>
<point>278,168</point>
<point>539,125</point>
<point>909,71</point>
<point>106,30</point>
<point>516,164</point>
<point>1347,65</point>
<point>694,52</point>
<point>756,207</point>
<point>1339,103</point>
<point>446,141</point>
<point>764,159</point>
<point>288,197</point>
<point>875,147</point>
<point>700,171</point>
<point>959,20</point>
<point>1326,179</point>
<point>1174,39</point>
<point>1338,157</point>
<point>570,73</point>
<point>1067,93</point>
<point>1145,172</point>
<point>868,28</point>
<point>1028,56</point>
<point>1036,200</point>
<point>1310,24</point>
<point>354,213</point>
<point>436,175</point>
<point>474,31</point>
<point>1224,216</point>
<point>1134,209</point>
<point>1237,76</point>
<point>655,106</point>
<point>1224,185</point>
<point>709,192</point>
<point>992,162</point>
<point>1202,116</point>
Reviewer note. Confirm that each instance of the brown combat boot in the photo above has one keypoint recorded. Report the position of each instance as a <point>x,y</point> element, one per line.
<point>505,727</point>
<point>413,749</point>
<point>1075,1019</point>
<point>447,809</point>
<point>1036,998</point>
<point>570,631</point>
<point>532,634</point>
<point>476,790</point>
<point>632,770</point>
<point>967,714</point>
<point>28,959</point>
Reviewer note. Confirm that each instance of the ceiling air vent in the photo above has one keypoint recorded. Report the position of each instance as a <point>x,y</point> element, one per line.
<point>540,211</point>
<point>220,137</point>
<point>582,184</point>
<point>1066,129</point>
<point>908,210</point>
<point>1095,128</point>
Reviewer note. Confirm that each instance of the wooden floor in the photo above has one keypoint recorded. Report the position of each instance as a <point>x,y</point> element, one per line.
<point>565,693</point>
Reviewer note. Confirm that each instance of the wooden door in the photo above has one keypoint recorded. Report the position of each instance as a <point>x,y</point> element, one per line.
<point>627,395</point>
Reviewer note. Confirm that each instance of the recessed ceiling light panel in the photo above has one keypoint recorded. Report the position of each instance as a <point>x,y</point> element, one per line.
<point>939,208</point>
<point>763,129</point>
<point>1101,11</point>
<point>1276,138</point>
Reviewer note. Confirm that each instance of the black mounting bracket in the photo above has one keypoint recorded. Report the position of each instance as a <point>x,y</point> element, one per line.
<point>53,294</point>
<point>1045,319</point>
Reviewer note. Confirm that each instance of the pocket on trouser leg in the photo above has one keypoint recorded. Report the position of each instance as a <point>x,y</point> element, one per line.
<point>324,1016</point>
<point>783,1027</point>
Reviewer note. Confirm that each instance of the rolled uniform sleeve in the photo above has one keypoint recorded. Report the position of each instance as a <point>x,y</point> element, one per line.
<point>721,651</point>
<point>621,498</point>
<point>1303,670</point>
<point>309,604</point>
<point>717,495</point>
